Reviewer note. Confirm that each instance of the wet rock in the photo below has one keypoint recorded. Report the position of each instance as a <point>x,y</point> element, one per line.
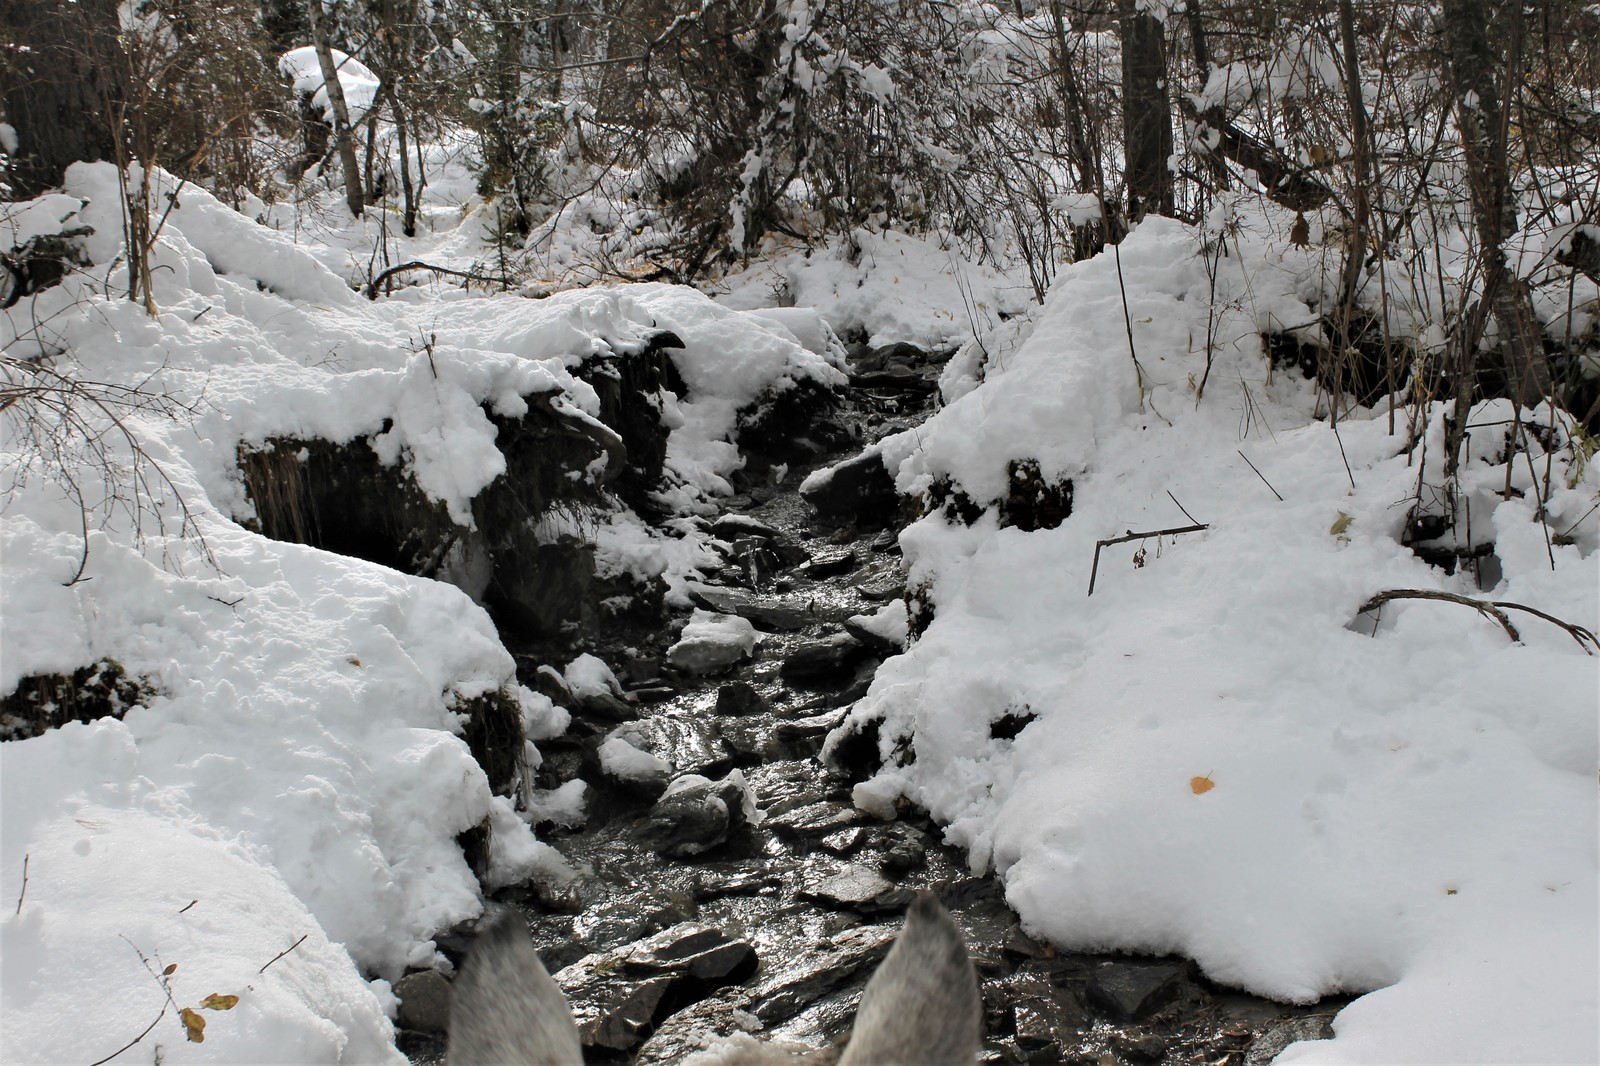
<point>797,982</point>
<point>1140,1046</point>
<point>851,751</point>
<point>696,815</point>
<point>821,663</point>
<point>858,490</point>
<point>1129,991</point>
<point>619,996</point>
<point>1271,1043</point>
<point>1044,1018</point>
<point>830,565</point>
<point>882,636</point>
<point>898,378</point>
<point>712,643</point>
<point>424,1001</point>
<point>692,744</point>
<point>776,617</point>
<point>846,841</point>
<point>881,587</point>
<point>733,526</point>
<point>696,1027</point>
<point>801,738</point>
<point>814,819</point>
<point>887,542</point>
<point>1017,942</point>
<point>764,614</point>
<point>741,697</point>
<point>859,889</point>
<point>746,740</point>
<point>905,852</point>
<point>605,707</point>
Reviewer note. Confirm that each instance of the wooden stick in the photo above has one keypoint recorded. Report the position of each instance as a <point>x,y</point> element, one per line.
<point>1131,535</point>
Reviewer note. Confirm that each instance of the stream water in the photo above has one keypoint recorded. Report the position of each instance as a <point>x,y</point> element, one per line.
<point>681,926</point>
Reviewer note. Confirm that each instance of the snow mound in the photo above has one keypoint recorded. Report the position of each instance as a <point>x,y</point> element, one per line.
<point>295,764</point>
<point>1220,758</point>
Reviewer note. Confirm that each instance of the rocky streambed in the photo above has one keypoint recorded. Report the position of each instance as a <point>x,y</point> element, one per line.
<point>726,883</point>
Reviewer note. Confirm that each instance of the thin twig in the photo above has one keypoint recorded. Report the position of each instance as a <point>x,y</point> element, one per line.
<point>1576,632</point>
<point>1334,423</point>
<point>1260,475</point>
<point>191,903</point>
<point>1185,511</point>
<point>24,891</point>
<point>1131,535</point>
<point>135,1040</point>
<point>284,952</point>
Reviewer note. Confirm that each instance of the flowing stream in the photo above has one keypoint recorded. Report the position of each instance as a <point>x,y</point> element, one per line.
<point>689,920</point>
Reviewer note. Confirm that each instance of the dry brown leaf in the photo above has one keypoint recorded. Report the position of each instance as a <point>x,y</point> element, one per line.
<point>1201,785</point>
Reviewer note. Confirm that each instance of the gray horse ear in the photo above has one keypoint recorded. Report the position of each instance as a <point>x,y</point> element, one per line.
<point>505,1009</point>
<point>922,1006</point>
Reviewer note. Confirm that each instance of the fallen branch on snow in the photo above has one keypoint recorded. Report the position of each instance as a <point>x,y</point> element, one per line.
<point>1131,535</point>
<point>1492,609</point>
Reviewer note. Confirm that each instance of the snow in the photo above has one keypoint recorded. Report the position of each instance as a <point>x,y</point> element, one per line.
<point>886,287</point>
<point>297,766</point>
<point>1224,760</point>
<point>302,68</point>
<point>588,675</point>
<point>621,759</point>
<point>711,641</point>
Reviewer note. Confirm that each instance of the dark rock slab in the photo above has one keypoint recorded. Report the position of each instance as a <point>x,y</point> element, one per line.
<point>618,997</point>
<point>1045,1018</point>
<point>860,889</point>
<point>882,587</point>
<point>741,698</point>
<point>1140,1045</point>
<point>1130,991</point>
<point>776,617</point>
<point>424,1001</point>
<point>858,490</point>
<point>795,983</point>
<point>816,819</point>
<point>801,738</point>
<point>823,662</point>
<point>831,564</point>
<point>1271,1043</point>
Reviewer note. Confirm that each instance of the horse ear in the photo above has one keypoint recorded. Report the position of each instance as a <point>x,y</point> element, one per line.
<point>505,1009</point>
<point>922,1005</point>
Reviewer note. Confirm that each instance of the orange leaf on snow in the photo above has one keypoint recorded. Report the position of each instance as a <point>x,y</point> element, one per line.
<point>1201,785</point>
<point>195,1024</point>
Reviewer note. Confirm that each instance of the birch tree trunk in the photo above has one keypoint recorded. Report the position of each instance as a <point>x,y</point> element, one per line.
<point>343,136</point>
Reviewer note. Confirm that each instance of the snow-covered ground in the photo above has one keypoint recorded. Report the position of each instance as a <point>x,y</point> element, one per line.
<point>299,771</point>
<point>1223,759</point>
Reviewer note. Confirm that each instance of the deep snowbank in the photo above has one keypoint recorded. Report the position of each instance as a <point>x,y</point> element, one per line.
<point>298,771</point>
<point>1223,760</point>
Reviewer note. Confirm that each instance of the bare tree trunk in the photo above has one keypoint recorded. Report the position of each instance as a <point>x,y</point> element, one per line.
<point>1483,45</point>
<point>1355,256</point>
<point>1146,112</point>
<point>408,220</point>
<point>343,135</point>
